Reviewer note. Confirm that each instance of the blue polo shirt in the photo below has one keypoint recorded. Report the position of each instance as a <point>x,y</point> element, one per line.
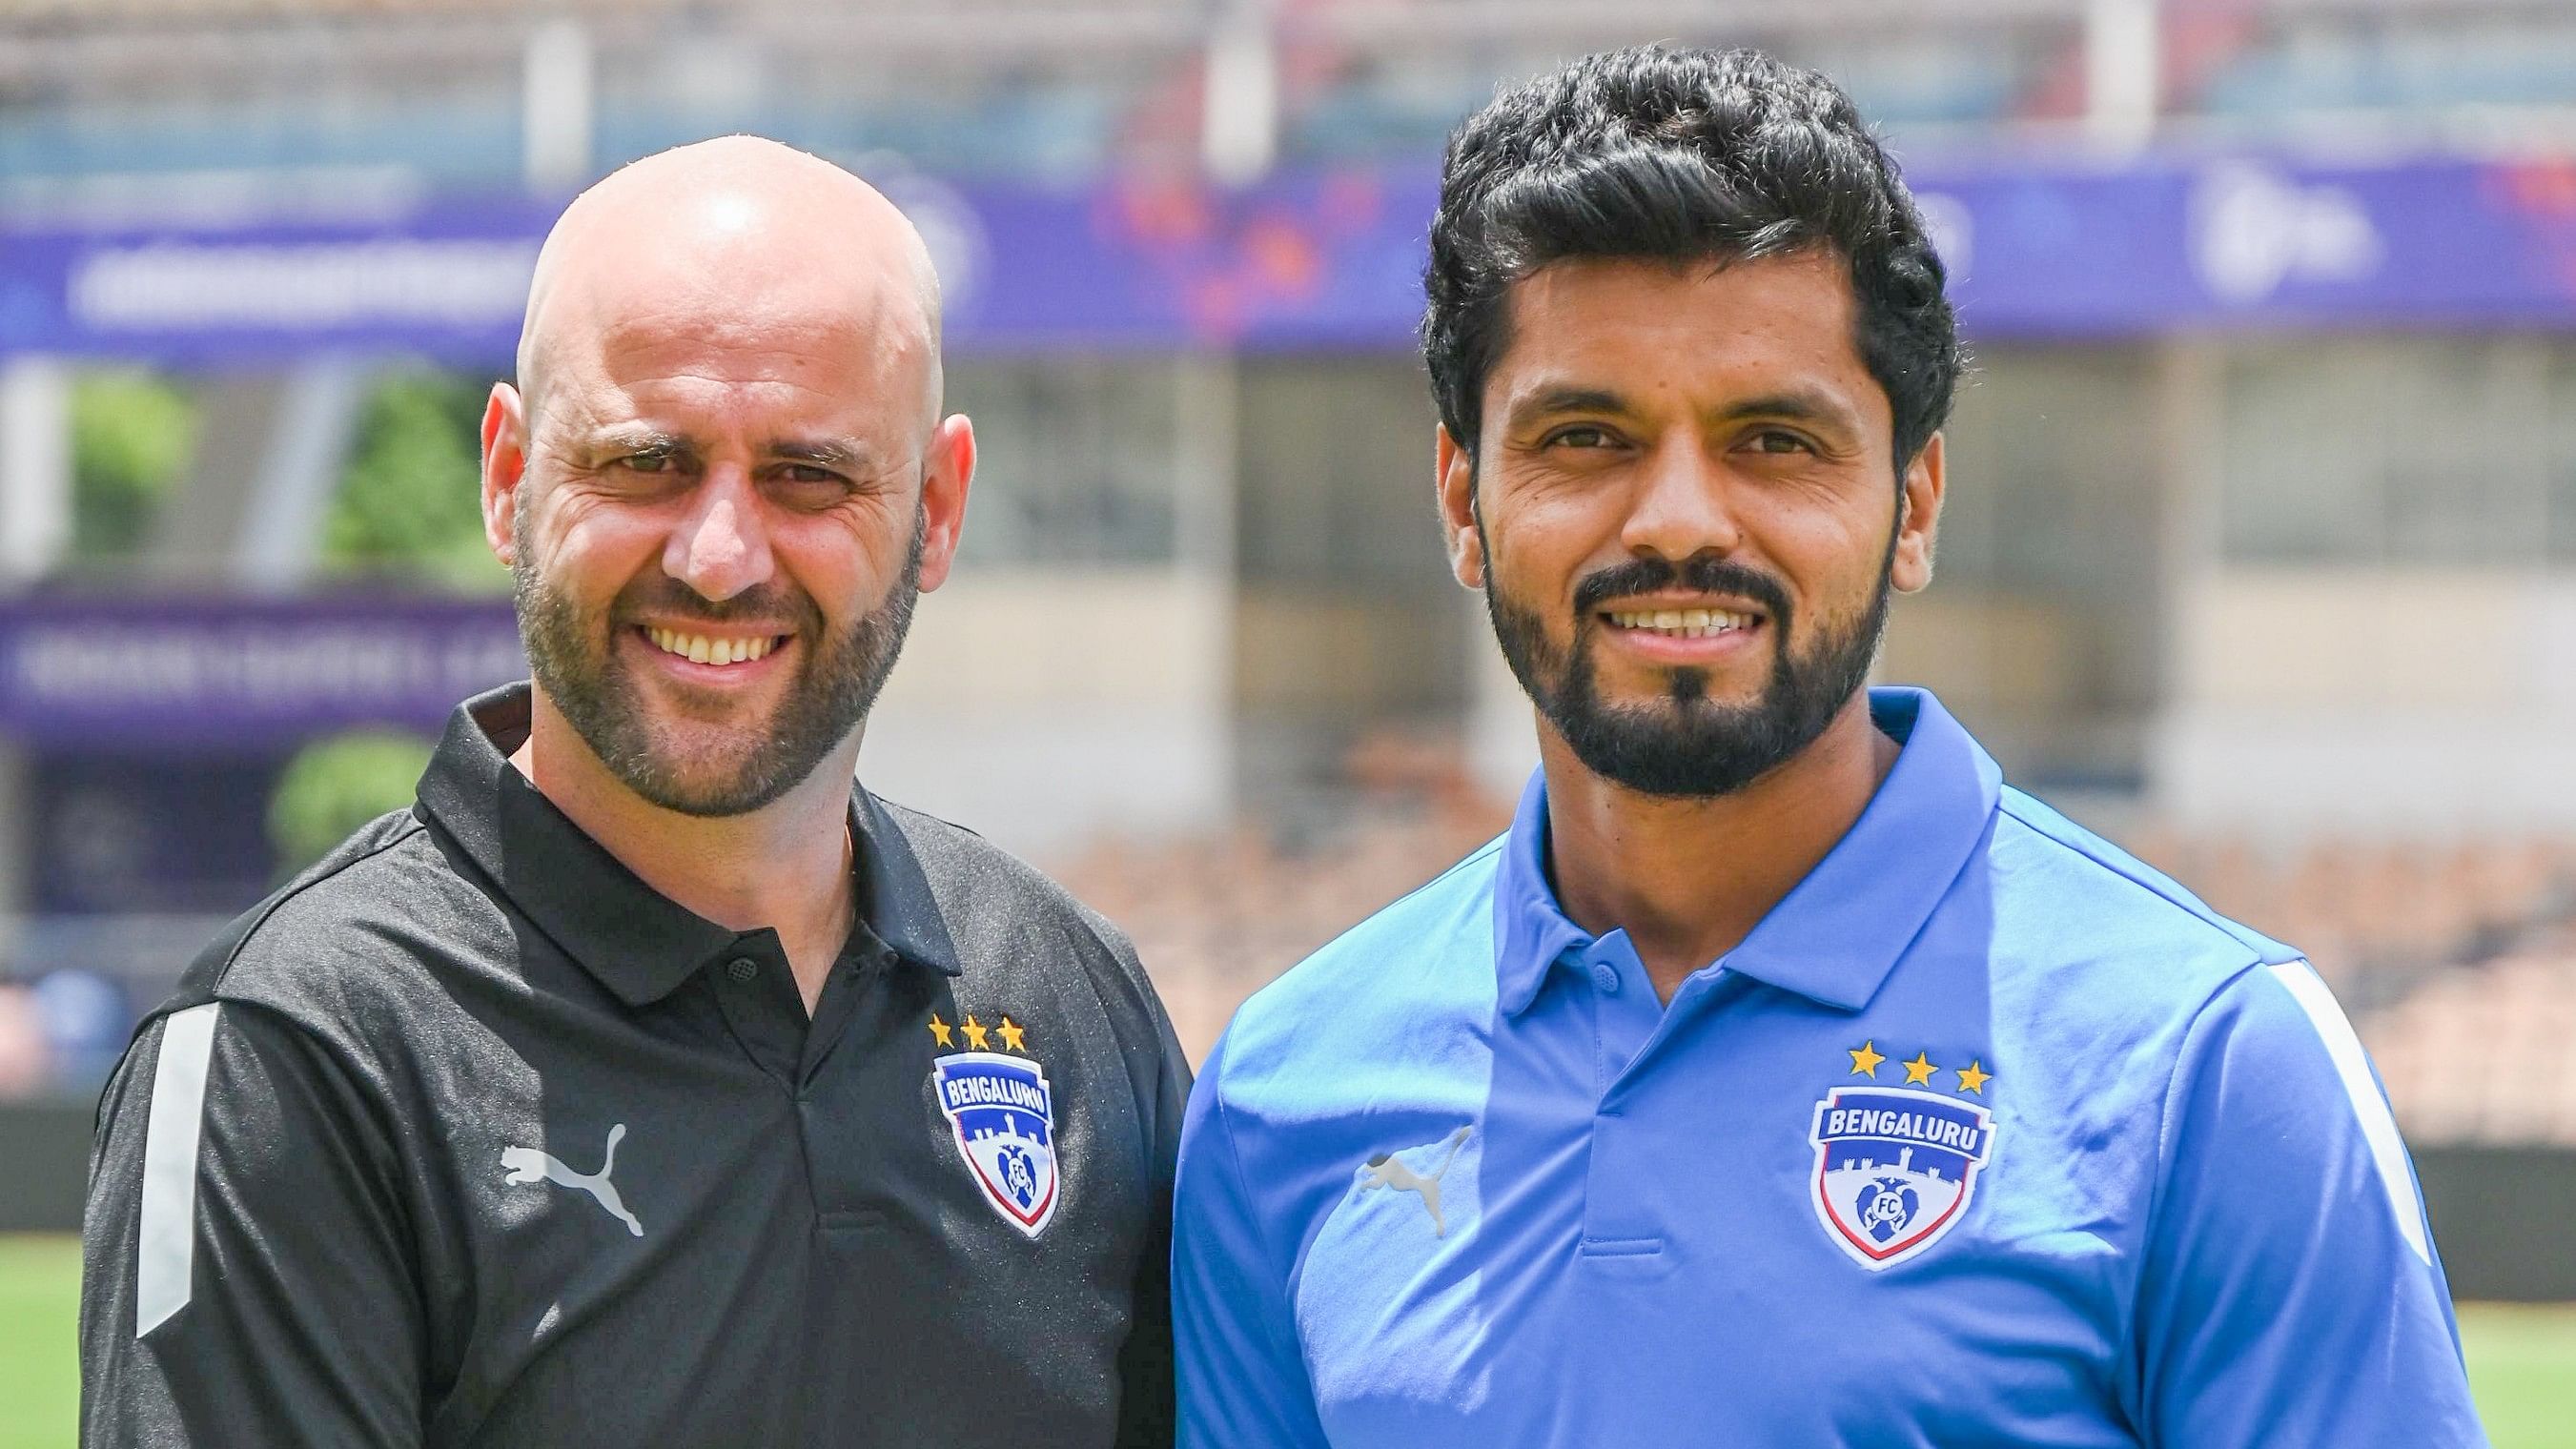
<point>1987,1134</point>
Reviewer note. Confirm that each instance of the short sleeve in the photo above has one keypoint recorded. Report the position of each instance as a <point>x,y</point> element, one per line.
<point>1145,1407</point>
<point>247,1277</point>
<point>1243,1382</point>
<point>2290,1293</point>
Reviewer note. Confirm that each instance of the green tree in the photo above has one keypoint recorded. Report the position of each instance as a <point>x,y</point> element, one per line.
<point>338,783</point>
<point>132,434</point>
<point>409,502</point>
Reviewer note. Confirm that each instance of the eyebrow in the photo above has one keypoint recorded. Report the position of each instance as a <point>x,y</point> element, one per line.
<point>1800,405</point>
<point>837,453</point>
<point>1548,401</point>
<point>624,439</point>
<point>1805,407</point>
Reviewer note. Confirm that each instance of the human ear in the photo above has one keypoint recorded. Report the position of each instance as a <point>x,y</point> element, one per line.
<point>948,470</point>
<point>1918,518</point>
<point>505,467</point>
<point>1455,482</point>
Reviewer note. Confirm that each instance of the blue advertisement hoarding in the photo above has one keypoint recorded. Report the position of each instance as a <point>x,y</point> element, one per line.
<point>1331,261</point>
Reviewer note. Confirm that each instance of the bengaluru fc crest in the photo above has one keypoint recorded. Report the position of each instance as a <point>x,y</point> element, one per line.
<point>1005,1121</point>
<point>1895,1169</point>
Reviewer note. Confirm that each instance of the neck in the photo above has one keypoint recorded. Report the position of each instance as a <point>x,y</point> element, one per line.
<point>1690,879</point>
<point>785,865</point>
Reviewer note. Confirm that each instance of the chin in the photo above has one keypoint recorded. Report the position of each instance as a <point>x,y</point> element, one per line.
<point>1677,696</point>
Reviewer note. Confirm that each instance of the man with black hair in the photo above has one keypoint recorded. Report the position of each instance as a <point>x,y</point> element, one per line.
<point>1785,1078</point>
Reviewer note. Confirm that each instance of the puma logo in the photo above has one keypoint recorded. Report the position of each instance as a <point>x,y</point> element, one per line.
<point>527,1164</point>
<point>1386,1170</point>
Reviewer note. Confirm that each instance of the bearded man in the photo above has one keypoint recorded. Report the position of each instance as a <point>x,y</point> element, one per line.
<point>2127,1179</point>
<point>648,1082</point>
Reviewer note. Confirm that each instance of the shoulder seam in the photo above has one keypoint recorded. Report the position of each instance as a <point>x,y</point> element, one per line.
<point>1461,863</point>
<point>1455,866</point>
<point>2190,907</point>
<point>274,903</point>
<point>898,807</point>
<point>1329,947</point>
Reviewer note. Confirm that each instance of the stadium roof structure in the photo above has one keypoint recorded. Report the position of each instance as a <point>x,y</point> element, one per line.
<point>1396,21</point>
<point>101,89</point>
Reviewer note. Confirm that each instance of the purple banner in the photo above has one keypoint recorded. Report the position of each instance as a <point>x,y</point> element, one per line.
<point>1333,262</point>
<point>207,674</point>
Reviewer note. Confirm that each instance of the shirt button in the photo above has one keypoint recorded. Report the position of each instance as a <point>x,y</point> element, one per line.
<point>1607,978</point>
<point>742,968</point>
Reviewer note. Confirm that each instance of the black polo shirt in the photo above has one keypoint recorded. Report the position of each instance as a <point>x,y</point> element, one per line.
<point>469,1137</point>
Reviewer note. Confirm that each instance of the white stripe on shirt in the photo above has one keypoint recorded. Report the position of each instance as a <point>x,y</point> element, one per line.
<point>165,1247</point>
<point>2378,1128</point>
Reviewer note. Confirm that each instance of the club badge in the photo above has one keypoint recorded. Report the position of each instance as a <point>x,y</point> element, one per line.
<point>1895,1168</point>
<point>1004,1118</point>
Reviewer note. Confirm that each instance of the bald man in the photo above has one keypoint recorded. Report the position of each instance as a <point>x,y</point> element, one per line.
<point>648,1082</point>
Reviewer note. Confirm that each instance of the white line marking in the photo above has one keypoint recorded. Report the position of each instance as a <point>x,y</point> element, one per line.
<point>165,1247</point>
<point>2378,1127</point>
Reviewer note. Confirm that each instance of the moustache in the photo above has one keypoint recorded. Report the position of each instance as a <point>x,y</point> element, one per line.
<point>669,600</point>
<point>1700,574</point>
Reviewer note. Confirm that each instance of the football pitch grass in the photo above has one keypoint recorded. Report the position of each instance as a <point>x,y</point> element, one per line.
<point>2522,1359</point>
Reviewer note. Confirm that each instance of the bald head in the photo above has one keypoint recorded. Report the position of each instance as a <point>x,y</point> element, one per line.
<point>721,478</point>
<point>739,235</point>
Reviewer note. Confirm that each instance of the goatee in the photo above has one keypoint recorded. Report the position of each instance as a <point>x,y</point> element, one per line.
<point>1685,745</point>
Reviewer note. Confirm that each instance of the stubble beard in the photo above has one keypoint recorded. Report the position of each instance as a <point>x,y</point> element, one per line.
<point>574,658</point>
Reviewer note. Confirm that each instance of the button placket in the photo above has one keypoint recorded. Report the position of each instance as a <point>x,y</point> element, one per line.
<point>767,1017</point>
<point>1615,1226</point>
<point>1625,1012</point>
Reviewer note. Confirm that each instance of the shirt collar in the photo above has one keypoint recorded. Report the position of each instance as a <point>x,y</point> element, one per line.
<point>640,944</point>
<point>1838,933</point>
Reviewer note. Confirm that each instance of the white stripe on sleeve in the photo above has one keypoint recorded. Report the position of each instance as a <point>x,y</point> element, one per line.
<point>165,1248</point>
<point>2378,1128</point>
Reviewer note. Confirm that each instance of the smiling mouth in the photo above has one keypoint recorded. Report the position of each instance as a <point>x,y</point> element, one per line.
<point>712,648</point>
<point>1682,623</point>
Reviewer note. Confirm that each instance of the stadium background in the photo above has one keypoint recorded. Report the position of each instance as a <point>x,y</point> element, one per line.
<point>2260,558</point>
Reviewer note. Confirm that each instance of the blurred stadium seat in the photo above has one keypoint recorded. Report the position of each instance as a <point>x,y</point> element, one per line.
<point>2167,504</point>
<point>2458,958</point>
<point>2259,553</point>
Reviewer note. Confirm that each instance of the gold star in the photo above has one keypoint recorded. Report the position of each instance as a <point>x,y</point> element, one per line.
<point>1973,1077</point>
<point>939,1031</point>
<point>975,1031</point>
<point>1865,1061</point>
<point>1014,1036</point>
<point>1920,1069</point>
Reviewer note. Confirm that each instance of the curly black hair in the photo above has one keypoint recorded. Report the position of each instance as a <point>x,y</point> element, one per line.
<point>1666,153</point>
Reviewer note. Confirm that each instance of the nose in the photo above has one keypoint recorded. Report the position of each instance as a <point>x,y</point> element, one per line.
<point>721,546</point>
<point>1683,505</point>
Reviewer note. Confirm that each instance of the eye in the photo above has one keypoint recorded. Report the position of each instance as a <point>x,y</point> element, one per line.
<point>1580,435</point>
<point>1778,441</point>
<point>807,485</point>
<point>654,460</point>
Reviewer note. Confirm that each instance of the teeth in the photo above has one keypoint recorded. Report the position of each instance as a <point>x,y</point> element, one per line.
<point>1685,623</point>
<point>700,649</point>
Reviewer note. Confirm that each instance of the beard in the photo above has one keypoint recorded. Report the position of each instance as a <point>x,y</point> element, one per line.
<point>1684,745</point>
<point>731,768</point>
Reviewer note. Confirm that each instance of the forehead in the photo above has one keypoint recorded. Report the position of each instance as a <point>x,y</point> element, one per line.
<point>670,345</point>
<point>1704,332</point>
